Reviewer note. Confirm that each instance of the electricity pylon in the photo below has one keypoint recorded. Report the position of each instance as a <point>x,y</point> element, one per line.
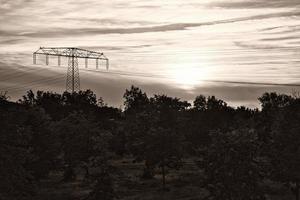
<point>72,53</point>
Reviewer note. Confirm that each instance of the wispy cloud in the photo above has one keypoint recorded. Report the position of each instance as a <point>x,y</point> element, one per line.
<point>281,38</point>
<point>59,32</point>
<point>246,4</point>
<point>257,46</point>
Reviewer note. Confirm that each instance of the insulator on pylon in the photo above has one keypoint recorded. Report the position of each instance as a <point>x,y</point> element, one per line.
<point>47,59</point>
<point>73,82</point>
<point>58,61</point>
<point>34,58</point>
<point>86,62</point>
<point>107,64</point>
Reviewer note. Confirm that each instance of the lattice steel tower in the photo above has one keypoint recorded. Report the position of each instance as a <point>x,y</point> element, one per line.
<point>73,80</point>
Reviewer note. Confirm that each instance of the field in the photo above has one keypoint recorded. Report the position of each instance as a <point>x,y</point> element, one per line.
<point>183,184</point>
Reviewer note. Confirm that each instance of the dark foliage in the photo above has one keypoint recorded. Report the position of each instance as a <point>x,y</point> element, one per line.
<point>232,166</point>
<point>78,135</point>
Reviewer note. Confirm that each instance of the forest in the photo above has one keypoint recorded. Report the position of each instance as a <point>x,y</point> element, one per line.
<point>74,146</point>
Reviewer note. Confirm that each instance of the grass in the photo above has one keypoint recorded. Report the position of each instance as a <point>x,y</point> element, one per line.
<point>184,184</point>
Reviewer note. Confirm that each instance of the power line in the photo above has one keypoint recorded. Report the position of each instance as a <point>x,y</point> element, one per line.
<point>20,74</point>
<point>36,84</point>
<point>145,75</point>
<point>40,83</point>
<point>204,80</point>
<point>16,86</point>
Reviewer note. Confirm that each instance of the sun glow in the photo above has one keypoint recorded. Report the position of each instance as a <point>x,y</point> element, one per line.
<point>190,77</point>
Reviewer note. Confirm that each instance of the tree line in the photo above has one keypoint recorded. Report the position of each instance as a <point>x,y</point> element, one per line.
<point>236,148</point>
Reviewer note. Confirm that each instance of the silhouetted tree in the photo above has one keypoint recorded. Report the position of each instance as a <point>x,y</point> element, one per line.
<point>103,187</point>
<point>155,136</point>
<point>232,166</point>
<point>59,106</point>
<point>51,102</point>
<point>77,135</point>
<point>271,103</point>
<point>207,114</point>
<point>45,130</point>
<point>4,97</point>
<point>17,152</point>
<point>136,124</point>
<point>285,147</point>
<point>200,103</point>
<point>43,142</point>
<point>135,100</point>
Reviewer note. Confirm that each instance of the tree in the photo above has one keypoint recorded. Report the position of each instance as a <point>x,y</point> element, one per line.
<point>215,104</point>
<point>164,149</point>
<point>40,141</point>
<point>135,100</point>
<point>284,147</point>
<point>17,181</point>
<point>4,97</point>
<point>200,103</point>
<point>43,142</point>
<point>51,102</point>
<point>103,186</point>
<point>77,135</point>
<point>136,124</point>
<point>208,114</point>
<point>169,141</point>
<point>58,106</point>
<point>232,166</point>
<point>155,135</point>
<point>273,101</point>
<point>155,145</point>
<point>80,99</point>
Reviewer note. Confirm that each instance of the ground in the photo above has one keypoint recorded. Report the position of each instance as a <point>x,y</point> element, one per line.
<point>184,184</point>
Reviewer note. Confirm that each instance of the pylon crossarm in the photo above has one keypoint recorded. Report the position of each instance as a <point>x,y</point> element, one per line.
<point>73,81</point>
<point>70,52</point>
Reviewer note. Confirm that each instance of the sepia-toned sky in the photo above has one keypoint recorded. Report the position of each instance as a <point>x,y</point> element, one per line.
<point>180,48</point>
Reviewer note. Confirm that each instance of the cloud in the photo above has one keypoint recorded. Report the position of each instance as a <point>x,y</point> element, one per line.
<point>106,21</point>
<point>11,41</point>
<point>282,30</point>
<point>281,38</point>
<point>60,32</point>
<point>4,33</point>
<point>257,46</point>
<point>256,4</point>
<point>7,5</point>
<point>116,48</point>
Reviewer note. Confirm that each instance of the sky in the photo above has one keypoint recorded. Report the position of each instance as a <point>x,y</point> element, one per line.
<point>180,48</point>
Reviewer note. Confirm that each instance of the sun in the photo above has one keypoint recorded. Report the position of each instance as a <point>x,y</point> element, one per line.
<point>189,77</point>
